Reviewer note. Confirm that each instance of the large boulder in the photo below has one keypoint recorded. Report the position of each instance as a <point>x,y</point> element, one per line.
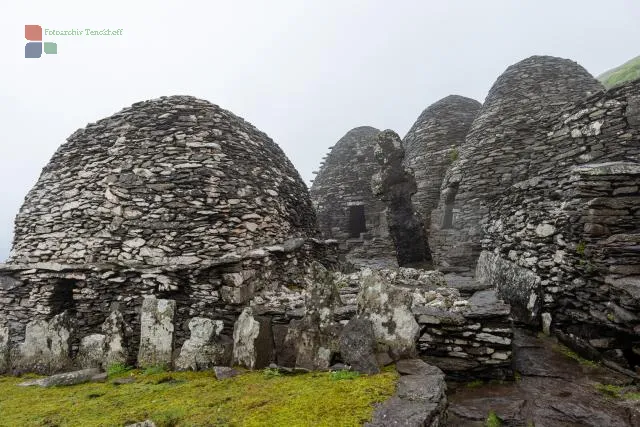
<point>388,307</point>
<point>156,332</point>
<point>46,346</point>
<point>205,348</point>
<point>252,340</point>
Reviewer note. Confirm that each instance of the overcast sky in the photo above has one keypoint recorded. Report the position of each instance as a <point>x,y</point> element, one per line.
<point>304,72</point>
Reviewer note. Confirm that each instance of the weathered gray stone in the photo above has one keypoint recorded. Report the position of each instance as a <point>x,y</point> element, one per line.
<point>91,353</point>
<point>358,346</point>
<point>224,372</point>
<point>114,329</point>
<point>156,332</point>
<point>4,348</point>
<point>68,378</point>
<point>46,346</point>
<point>204,349</point>
<point>394,186</point>
<point>389,309</point>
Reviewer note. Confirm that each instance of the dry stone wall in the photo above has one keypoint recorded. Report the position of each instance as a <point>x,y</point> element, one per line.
<point>432,144</point>
<point>501,150</point>
<point>571,233</point>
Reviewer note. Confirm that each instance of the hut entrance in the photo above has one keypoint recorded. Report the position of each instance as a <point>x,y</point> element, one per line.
<point>62,297</point>
<point>357,221</point>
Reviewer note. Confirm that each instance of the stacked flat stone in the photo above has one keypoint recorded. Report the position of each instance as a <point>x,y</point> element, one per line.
<point>500,150</point>
<point>172,197</point>
<point>432,144</point>
<point>562,246</point>
<point>344,180</point>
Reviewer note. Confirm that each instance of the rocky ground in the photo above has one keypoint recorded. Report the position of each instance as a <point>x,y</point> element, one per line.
<point>553,387</point>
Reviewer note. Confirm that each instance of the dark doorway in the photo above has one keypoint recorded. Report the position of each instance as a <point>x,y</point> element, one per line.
<point>357,221</point>
<point>62,297</point>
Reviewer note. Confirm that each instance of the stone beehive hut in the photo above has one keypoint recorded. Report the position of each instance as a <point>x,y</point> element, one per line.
<point>346,207</point>
<point>432,144</point>
<point>499,148</point>
<point>563,246</point>
<point>173,197</point>
<point>172,177</point>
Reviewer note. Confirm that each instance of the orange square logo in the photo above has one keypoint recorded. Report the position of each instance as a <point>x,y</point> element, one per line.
<point>33,32</point>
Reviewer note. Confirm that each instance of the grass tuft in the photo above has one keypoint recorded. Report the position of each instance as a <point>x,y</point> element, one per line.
<point>271,373</point>
<point>493,420</point>
<point>118,369</point>
<point>344,375</point>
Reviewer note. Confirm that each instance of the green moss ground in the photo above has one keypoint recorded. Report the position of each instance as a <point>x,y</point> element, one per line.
<point>198,399</point>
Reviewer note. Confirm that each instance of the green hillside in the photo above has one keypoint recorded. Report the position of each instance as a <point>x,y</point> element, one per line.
<point>626,72</point>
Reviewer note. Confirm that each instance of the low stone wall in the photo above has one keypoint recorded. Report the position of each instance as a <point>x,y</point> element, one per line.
<point>217,289</point>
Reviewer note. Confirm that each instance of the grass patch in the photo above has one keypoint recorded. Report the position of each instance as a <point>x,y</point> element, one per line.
<point>197,398</point>
<point>617,392</point>
<point>626,72</point>
<point>562,349</point>
<point>580,248</point>
<point>271,373</point>
<point>153,370</point>
<point>118,369</point>
<point>344,375</point>
<point>493,420</point>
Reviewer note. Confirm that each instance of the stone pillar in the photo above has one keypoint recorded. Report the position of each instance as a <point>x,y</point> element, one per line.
<point>4,348</point>
<point>395,186</point>
<point>156,332</point>
<point>252,340</point>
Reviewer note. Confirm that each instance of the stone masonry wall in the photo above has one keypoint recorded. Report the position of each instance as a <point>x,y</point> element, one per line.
<point>432,144</point>
<point>500,150</point>
<point>574,228</point>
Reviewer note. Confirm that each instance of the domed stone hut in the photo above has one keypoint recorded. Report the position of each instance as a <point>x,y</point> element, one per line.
<point>432,144</point>
<point>346,207</point>
<point>173,197</point>
<point>499,148</point>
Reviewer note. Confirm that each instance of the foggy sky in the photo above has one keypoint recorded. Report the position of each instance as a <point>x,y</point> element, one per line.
<point>304,72</point>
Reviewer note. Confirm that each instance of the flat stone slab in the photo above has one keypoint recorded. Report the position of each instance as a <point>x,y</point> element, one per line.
<point>68,378</point>
<point>420,398</point>
<point>224,372</point>
<point>485,304</point>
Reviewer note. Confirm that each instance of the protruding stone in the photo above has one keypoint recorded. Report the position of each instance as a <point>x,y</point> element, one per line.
<point>358,346</point>
<point>91,351</point>
<point>156,332</point>
<point>205,348</point>
<point>252,340</point>
<point>68,378</point>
